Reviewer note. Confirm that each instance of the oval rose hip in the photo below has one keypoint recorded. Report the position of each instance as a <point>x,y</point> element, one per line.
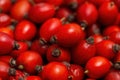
<point>28,61</point>
<point>83,51</point>
<point>9,60</point>
<point>25,30</point>
<point>87,13</point>
<point>5,71</point>
<point>57,53</point>
<point>5,20</point>
<point>113,75</point>
<point>5,5</point>
<point>107,48</point>
<point>18,75</point>
<point>49,28</point>
<point>110,29</point>
<point>54,71</point>
<point>20,9</point>
<point>69,35</point>
<point>41,12</point>
<point>8,30</point>
<point>76,72</point>
<point>20,46</point>
<point>97,67</point>
<point>115,37</point>
<point>105,18</point>
<point>98,3</point>
<point>6,43</point>
<point>39,46</point>
<point>66,14</point>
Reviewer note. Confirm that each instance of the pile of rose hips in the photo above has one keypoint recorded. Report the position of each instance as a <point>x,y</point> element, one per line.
<point>59,39</point>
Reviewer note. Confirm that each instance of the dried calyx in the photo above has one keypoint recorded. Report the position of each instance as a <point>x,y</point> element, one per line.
<point>116,48</point>
<point>53,40</point>
<point>83,24</point>
<point>112,4</point>
<point>14,22</point>
<point>73,5</point>
<point>117,65</point>
<point>70,77</point>
<point>12,62</point>
<point>42,41</point>
<point>90,40</point>
<point>12,72</point>
<point>38,68</point>
<point>16,46</point>
<point>70,18</point>
<point>56,52</point>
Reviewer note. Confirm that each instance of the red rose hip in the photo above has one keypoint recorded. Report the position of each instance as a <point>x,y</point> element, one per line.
<point>97,67</point>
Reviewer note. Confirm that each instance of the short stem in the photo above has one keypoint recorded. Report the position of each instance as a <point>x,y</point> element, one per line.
<point>21,67</point>
<point>86,71</point>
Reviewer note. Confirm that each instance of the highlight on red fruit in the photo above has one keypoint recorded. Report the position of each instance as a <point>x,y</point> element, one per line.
<point>97,67</point>
<point>59,39</point>
<point>41,12</point>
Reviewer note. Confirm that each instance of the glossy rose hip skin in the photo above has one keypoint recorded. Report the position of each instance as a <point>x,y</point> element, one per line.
<point>59,39</point>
